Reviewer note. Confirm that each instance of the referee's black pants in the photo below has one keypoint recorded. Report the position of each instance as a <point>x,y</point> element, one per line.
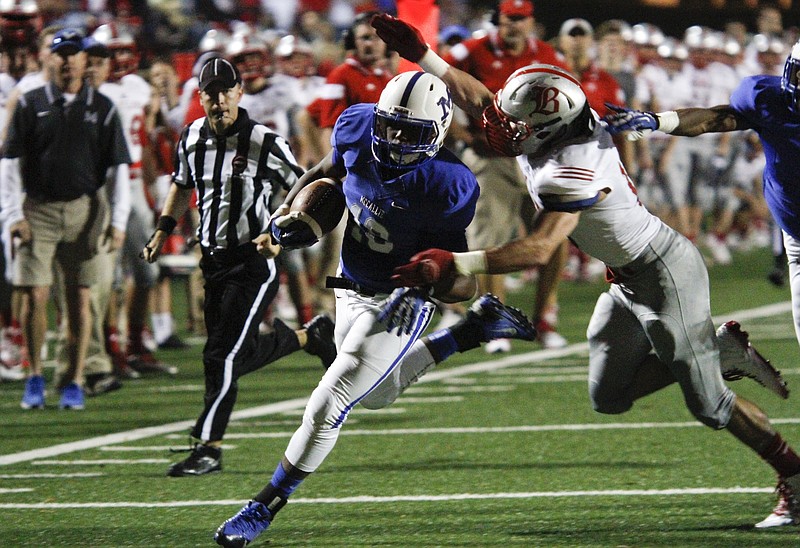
<point>239,286</point>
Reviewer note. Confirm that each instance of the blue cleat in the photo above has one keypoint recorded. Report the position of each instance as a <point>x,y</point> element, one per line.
<point>33,398</point>
<point>71,397</point>
<point>245,526</point>
<point>499,321</point>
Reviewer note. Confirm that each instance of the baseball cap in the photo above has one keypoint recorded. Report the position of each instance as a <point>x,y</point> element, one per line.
<point>70,38</point>
<point>576,27</point>
<point>453,34</point>
<point>516,8</point>
<point>219,70</point>
<point>92,46</point>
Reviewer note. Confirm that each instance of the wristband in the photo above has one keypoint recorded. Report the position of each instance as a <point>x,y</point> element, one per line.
<point>667,121</point>
<point>471,262</point>
<point>166,223</point>
<point>431,62</point>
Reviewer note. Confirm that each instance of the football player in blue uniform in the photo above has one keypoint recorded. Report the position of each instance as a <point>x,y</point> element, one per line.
<point>770,106</point>
<point>404,194</point>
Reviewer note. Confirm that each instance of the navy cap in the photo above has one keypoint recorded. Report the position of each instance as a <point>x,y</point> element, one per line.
<point>68,38</point>
<point>92,46</point>
<point>219,70</point>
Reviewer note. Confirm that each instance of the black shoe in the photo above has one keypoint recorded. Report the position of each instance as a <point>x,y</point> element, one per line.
<point>777,277</point>
<point>204,459</point>
<point>101,383</point>
<point>319,333</point>
<point>173,342</point>
<point>147,364</point>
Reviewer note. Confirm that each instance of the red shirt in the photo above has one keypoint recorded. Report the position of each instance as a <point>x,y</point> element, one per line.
<point>348,84</point>
<point>484,59</point>
<point>600,88</point>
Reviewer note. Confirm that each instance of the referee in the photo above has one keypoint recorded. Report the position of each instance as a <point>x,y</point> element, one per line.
<point>233,164</point>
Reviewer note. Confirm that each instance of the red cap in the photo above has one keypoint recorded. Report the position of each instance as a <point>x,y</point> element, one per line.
<point>519,8</point>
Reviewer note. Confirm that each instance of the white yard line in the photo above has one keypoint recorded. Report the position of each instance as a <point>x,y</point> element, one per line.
<point>260,411</point>
<point>407,498</point>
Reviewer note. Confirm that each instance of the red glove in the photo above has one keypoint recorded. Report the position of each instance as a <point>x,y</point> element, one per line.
<point>426,268</point>
<point>400,37</point>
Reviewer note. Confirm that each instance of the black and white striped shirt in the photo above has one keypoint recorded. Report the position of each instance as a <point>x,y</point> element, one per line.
<point>233,211</point>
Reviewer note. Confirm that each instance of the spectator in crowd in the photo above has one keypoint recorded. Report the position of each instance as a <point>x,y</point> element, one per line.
<point>232,163</point>
<point>62,141</point>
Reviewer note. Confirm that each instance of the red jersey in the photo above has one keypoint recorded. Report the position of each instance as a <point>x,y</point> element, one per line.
<point>485,59</point>
<point>601,88</point>
<point>348,84</point>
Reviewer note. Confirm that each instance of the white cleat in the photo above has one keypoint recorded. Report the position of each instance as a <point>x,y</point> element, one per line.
<point>739,359</point>
<point>498,346</point>
<point>787,512</point>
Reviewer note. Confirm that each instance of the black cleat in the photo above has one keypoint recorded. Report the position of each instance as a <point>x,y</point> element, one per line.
<point>101,383</point>
<point>320,343</point>
<point>203,459</point>
<point>173,342</point>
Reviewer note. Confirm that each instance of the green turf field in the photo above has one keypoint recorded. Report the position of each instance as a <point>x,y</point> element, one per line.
<point>507,454</point>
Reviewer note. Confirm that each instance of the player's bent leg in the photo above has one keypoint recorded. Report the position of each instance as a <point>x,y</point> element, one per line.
<point>622,367</point>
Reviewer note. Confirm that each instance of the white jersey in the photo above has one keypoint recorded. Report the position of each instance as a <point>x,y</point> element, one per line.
<point>130,95</point>
<point>31,81</point>
<point>615,229</point>
<point>270,107</point>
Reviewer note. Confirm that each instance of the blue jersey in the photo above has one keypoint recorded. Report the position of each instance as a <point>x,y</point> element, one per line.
<point>760,101</point>
<point>389,220</point>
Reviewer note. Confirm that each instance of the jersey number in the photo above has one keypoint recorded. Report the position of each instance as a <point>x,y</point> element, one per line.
<point>630,183</point>
<point>370,232</point>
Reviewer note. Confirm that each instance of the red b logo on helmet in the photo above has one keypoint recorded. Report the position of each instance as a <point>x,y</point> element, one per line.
<point>544,100</point>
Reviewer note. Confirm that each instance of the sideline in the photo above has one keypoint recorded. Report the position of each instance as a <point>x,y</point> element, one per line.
<point>299,403</point>
<point>406,498</point>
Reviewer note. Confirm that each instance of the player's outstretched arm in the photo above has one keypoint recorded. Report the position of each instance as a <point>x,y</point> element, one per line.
<point>468,93</point>
<point>685,122</point>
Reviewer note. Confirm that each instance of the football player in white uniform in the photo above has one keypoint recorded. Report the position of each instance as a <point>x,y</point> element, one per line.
<point>653,326</point>
<point>131,94</point>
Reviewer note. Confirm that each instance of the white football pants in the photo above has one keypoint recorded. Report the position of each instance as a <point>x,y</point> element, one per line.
<point>372,368</point>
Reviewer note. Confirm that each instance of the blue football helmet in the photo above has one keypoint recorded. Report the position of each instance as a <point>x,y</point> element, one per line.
<point>790,82</point>
<point>411,120</point>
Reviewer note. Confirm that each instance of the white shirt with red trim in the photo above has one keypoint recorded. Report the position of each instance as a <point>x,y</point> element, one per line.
<point>131,94</point>
<point>616,228</point>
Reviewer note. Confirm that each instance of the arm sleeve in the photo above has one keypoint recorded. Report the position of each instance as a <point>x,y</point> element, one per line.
<point>120,181</point>
<point>570,188</point>
<point>10,191</point>
<point>182,174</point>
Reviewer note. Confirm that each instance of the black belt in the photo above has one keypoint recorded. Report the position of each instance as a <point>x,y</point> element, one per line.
<point>332,282</point>
<point>232,256</point>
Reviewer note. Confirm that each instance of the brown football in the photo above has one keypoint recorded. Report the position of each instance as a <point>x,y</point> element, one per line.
<point>322,204</point>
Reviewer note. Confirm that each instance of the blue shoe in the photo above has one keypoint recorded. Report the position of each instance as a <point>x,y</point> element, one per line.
<point>245,526</point>
<point>71,397</point>
<point>33,398</point>
<point>499,321</point>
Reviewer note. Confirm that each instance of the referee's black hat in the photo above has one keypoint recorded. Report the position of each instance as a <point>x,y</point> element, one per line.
<point>219,70</point>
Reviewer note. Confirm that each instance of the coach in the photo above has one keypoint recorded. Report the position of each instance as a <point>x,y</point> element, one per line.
<point>62,139</point>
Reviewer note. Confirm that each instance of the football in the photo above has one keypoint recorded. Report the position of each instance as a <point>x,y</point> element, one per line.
<point>321,204</point>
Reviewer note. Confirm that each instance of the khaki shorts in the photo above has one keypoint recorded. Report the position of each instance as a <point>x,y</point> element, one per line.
<point>503,202</point>
<point>71,232</point>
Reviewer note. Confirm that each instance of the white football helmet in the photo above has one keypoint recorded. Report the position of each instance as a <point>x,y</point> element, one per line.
<point>411,120</point>
<point>538,106</point>
<point>790,81</point>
